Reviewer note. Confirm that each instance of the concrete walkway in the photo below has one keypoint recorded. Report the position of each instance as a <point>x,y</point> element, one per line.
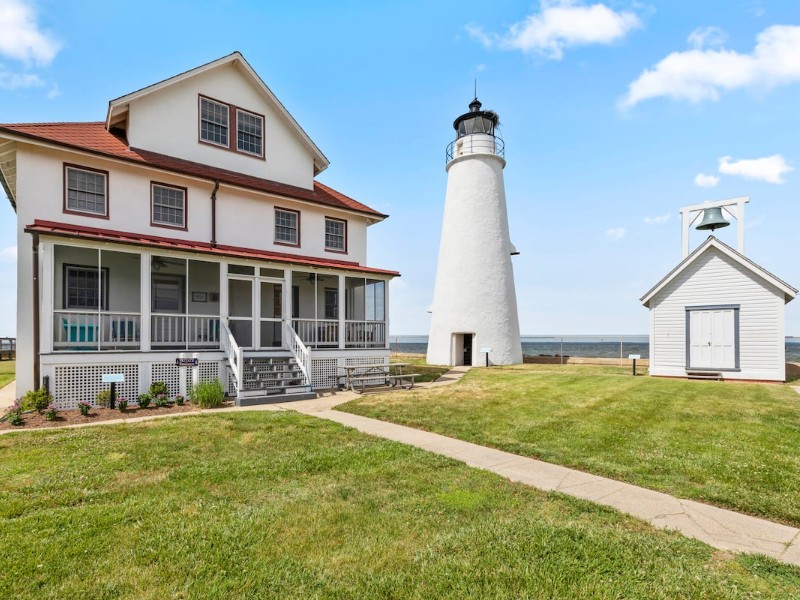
<point>8,394</point>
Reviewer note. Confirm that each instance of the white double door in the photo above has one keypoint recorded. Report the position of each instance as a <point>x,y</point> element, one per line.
<point>255,308</point>
<point>712,339</point>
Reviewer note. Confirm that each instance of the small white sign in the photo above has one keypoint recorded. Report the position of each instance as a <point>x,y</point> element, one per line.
<point>113,377</point>
<point>634,356</point>
<point>485,350</point>
<point>187,362</point>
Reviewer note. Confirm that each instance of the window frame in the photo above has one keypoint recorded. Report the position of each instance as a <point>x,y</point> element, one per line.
<point>168,278</point>
<point>275,229</point>
<point>102,293</point>
<point>85,213</point>
<point>251,114</point>
<point>200,137</point>
<point>342,250</point>
<point>185,191</point>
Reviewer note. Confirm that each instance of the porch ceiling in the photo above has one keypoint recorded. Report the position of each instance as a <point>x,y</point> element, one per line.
<point>8,169</point>
<point>147,241</point>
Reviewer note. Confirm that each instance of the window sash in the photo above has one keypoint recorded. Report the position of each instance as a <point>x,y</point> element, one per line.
<point>86,191</point>
<point>85,288</point>
<point>250,131</point>
<point>334,234</point>
<point>169,206</point>
<point>213,122</point>
<point>286,226</point>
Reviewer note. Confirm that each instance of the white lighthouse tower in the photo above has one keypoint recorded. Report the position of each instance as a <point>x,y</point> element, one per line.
<point>474,310</point>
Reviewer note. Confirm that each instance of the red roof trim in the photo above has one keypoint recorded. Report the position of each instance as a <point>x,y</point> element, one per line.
<point>96,139</point>
<point>151,241</point>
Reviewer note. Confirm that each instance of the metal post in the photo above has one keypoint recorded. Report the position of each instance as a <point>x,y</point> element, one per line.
<point>634,367</point>
<point>113,401</point>
<point>561,355</point>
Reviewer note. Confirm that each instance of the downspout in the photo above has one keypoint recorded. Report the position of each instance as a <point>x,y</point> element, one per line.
<point>36,325</point>
<point>214,214</point>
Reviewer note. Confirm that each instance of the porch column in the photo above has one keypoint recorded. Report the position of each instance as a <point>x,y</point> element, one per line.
<point>223,292</point>
<point>146,322</point>
<point>386,312</point>
<point>286,302</point>
<point>342,312</point>
<point>46,283</point>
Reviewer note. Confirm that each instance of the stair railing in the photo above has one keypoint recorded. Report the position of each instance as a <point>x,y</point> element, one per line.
<point>300,351</point>
<point>234,354</point>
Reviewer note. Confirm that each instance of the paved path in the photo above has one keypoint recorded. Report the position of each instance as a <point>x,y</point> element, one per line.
<point>717,527</point>
<point>8,394</point>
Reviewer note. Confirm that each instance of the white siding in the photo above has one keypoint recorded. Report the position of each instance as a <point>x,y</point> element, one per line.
<point>715,279</point>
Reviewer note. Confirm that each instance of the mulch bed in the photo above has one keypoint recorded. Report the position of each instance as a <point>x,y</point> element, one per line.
<point>35,420</point>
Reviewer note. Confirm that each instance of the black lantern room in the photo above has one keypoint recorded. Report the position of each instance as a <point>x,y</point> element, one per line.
<point>476,121</point>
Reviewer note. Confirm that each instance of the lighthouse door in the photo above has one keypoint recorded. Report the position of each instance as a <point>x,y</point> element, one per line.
<point>468,349</point>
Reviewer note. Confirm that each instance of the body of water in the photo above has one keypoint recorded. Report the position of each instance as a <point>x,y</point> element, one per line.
<point>585,346</point>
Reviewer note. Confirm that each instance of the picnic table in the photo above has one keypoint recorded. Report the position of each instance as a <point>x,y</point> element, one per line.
<point>389,374</point>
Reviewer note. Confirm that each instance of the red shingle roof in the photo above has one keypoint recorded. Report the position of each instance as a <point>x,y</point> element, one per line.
<point>95,138</point>
<point>151,241</point>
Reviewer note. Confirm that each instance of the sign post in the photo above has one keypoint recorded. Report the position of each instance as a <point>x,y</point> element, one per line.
<point>634,358</point>
<point>113,379</point>
<point>486,352</point>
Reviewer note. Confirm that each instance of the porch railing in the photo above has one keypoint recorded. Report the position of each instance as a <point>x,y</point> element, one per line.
<point>300,351</point>
<point>80,330</point>
<point>194,331</point>
<point>365,334</point>
<point>234,355</point>
<point>317,333</point>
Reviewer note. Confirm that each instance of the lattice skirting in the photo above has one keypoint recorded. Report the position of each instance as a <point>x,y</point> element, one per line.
<point>74,384</point>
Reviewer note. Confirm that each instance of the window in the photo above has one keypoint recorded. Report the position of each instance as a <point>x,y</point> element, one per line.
<point>287,227</point>
<point>168,293</point>
<point>85,287</point>
<point>335,235</point>
<point>249,132</point>
<point>213,122</point>
<point>168,206</point>
<point>86,191</point>
<point>331,303</point>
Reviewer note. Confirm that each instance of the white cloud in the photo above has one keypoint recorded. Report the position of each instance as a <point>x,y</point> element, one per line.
<point>561,24</point>
<point>701,74</point>
<point>14,81</point>
<point>21,38</point>
<point>10,252</point>
<point>617,233</point>
<point>707,37</point>
<point>658,219</point>
<point>770,168</point>
<point>703,180</point>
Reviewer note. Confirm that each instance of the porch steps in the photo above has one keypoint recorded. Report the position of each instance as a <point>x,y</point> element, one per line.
<point>272,378</point>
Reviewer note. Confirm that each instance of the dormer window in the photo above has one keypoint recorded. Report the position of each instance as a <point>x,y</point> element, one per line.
<point>231,127</point>
<point>249,128</point>
<point>213,122</point>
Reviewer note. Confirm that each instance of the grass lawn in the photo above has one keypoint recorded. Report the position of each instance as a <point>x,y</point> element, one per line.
<point>730,444</point>
<point>418,365</point>
<point>7,371</point>
<point>279,505</point>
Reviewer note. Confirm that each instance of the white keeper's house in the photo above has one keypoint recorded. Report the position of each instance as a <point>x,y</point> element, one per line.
<point>188,224</point>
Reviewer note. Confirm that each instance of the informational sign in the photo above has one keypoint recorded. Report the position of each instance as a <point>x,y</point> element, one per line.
<point>634,356</point>
<point>113,377</point>
<point>187,362</point>
<point>485,350</point>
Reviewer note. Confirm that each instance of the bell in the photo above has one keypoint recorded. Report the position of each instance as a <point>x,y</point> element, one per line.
<point>712,219</point>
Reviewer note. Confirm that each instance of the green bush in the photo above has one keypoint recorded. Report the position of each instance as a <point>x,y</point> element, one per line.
<point>15,418</point>
<point>36,400</point>
<point>103,398</point>
<point>144,400</point>
<point>84,407</point>
<point>51,413</point>
<point>122,405</point>
<point>161,401</point>
<point>158,388</point>
<point>208,394</point>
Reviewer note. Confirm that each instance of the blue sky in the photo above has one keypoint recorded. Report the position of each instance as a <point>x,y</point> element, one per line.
<point>614,113</point>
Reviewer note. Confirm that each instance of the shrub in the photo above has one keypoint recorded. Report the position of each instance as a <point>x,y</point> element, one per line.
<point>208,394</point>
<point>158,388</point>
<point>122,404</point>
<point>36,400</point>
<point>84,407</point>
<point>103,398</point>
<point>144,400</point>
<point>180,400</point>
<point>161,400</point>
<point>14,414</point>
<point>51,413</point>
